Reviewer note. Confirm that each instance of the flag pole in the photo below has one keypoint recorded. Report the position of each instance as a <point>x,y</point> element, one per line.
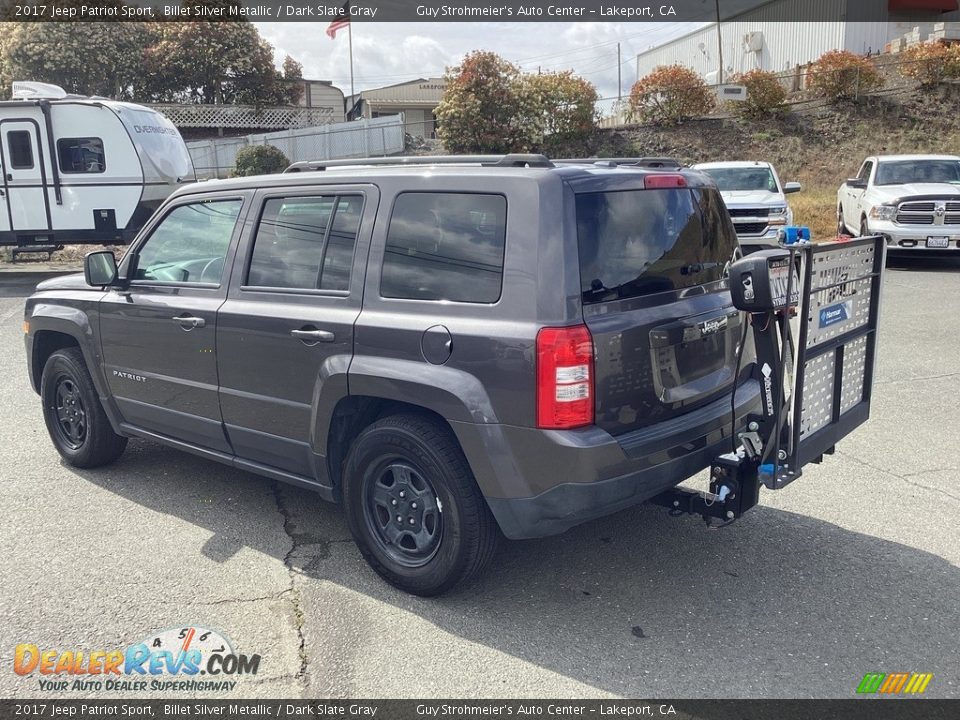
<point>350,41</point>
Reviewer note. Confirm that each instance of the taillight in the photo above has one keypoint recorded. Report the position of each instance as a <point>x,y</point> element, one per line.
<point>664,180</point>
<point>565,396</point>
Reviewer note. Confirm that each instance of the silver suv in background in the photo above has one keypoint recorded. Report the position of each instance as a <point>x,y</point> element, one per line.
<point>755,198</point>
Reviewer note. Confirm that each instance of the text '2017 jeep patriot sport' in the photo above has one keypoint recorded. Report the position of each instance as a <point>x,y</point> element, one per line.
<point>451,349</point>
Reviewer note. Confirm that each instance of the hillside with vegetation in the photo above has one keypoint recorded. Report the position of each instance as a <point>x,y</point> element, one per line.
<point>819,147</point>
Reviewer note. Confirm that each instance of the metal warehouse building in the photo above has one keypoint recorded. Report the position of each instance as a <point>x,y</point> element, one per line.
<point>761,38</point>
<point>416,99</point>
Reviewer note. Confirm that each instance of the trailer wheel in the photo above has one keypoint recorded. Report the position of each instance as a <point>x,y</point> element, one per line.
<point>77,424</point>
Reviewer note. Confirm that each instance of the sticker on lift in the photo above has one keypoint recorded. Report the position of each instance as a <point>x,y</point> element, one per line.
<point>834,314</point>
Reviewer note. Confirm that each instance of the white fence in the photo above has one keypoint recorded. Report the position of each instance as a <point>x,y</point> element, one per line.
<point>359,138</point>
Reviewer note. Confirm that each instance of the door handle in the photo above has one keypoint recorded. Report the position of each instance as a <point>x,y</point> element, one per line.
<point>313,336</point>
<point>189,322</point>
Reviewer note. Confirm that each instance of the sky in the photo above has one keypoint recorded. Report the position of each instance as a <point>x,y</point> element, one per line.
<point>390,53</point>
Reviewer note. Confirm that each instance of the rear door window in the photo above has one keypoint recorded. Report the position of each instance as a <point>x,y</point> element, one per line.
<point>306,243</point>
<point>445,246</point>
<point>641,242</point>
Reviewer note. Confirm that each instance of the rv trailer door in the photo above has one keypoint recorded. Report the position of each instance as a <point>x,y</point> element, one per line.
<point>24,176</point>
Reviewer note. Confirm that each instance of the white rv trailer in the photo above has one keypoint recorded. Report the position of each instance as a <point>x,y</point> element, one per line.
<point>83,169</point>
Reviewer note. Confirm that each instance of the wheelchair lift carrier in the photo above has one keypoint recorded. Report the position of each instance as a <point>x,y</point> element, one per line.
<point>814,311</point>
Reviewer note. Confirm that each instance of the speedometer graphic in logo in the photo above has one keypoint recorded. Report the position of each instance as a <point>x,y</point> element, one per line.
<point>184,639</point>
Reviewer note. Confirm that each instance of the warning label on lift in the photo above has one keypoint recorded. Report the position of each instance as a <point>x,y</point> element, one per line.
<point>833,314</point>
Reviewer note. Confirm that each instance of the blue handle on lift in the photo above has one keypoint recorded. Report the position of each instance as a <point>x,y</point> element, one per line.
<point>792,234</point>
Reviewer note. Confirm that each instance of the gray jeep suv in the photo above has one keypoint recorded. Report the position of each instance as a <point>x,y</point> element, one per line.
<point>453,348</point>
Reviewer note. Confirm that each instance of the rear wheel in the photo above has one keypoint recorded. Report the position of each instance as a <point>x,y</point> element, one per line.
<point>413,506</point>
<point>77,424</point>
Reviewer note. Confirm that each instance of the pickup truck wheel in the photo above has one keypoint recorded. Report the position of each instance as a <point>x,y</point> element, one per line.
<point>841,225</point>
<point>864,230</point>
<point>413,506</point>
<point>72,412</point>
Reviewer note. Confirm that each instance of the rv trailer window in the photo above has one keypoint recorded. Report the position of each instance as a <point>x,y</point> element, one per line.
<point>81,155</point>
<point>21,149</point>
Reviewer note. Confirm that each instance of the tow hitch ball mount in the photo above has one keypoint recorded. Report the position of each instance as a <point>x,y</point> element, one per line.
<point>814,311</point>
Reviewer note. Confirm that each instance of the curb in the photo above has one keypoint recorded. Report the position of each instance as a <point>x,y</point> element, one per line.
<point>39,269</point>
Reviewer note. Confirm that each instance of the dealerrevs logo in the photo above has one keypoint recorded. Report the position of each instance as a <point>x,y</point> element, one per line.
<point>170,660</point>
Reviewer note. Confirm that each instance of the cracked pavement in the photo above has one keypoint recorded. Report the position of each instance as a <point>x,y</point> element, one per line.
<point>854,568</point>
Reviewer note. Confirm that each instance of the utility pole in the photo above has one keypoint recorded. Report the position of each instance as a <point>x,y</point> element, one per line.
<point>719,48</point>
<point>619,75</point>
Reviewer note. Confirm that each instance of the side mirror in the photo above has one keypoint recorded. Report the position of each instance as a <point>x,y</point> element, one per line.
<point>100,268</point>
<point>792,187</point>
<point>856,183</point>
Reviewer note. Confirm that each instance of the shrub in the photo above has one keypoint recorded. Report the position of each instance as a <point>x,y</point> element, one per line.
<point>478,110</point>
<point>931,63</point>
<point>259,160</point>
<point>669,95</point>
<point>489,106</point>
<point>841,74</point>
<point>765,94</point>
<point>556,108</point>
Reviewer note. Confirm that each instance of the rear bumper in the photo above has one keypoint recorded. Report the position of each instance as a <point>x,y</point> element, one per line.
<point>540,483</point>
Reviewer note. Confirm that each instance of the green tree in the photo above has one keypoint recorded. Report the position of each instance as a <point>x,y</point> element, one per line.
<point>555,108</point>
<point>85,58</point>
<point>478,110</point>
<point>489,106</point>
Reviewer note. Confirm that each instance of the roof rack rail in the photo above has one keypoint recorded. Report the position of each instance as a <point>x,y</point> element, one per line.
<point>511,160</point>
<point>666,163</point>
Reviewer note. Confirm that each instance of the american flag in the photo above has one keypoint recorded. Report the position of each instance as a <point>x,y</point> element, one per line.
<point>341,22</point>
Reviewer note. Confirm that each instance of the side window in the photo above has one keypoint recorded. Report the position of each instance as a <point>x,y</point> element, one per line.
<point>21,149</point>
<point>81,155</point>
<point>190,243</point>
<point>865,171</point>
<point>306,243</point>
<point>445,246</point>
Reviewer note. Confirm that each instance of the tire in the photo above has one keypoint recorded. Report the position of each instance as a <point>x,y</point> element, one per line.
<point>864,230</point>
<point>396,471</point>
<point>77,424</point>
<point>841,225</point>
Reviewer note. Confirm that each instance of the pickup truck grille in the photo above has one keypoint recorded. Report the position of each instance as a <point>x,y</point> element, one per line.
<point>751,212</point>
<point>928,212</point>
<point>914,219</point>
<point>749,228</point>
<point>907,207</point>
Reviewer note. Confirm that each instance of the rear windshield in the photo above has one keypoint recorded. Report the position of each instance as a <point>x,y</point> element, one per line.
<point>732,179</point>
<point>641,242</point>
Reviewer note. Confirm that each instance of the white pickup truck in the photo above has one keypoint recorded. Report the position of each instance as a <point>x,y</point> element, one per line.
<point>912,200</point>
<point>755,199</point>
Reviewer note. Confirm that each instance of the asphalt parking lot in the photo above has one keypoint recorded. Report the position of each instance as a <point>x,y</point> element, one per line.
<point>855,568</point>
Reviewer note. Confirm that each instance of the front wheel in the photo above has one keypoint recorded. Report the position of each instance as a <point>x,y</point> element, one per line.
<point>72,412</point>
<point>841,225</point>
<point>413,506</point>
<point>864,230</point>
